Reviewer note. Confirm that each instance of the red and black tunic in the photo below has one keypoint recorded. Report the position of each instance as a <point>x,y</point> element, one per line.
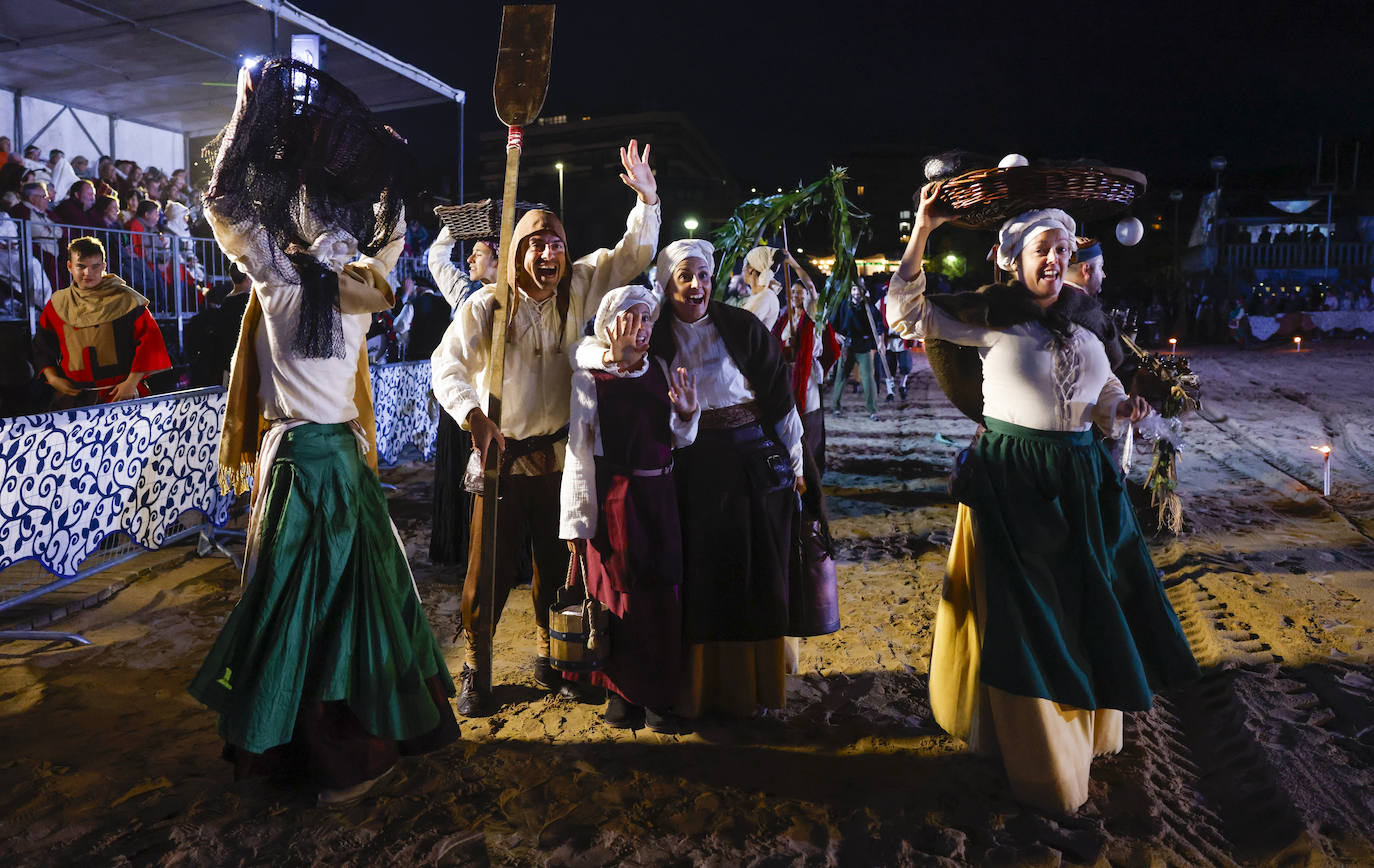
<point>634,562</point>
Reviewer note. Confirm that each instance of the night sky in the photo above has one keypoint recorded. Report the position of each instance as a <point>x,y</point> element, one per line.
<point>784,89</point>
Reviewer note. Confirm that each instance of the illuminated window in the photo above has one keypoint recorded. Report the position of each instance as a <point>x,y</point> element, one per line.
<point>861,189</point>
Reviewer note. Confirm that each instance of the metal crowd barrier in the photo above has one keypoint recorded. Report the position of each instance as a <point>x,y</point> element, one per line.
<point>84,490</point>
<point>168,269</point>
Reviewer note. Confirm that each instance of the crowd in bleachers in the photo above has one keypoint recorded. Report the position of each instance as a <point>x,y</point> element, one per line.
<point>59,199</point>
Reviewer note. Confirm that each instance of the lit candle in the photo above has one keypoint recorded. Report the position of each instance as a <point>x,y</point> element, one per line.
<point>1173,346</point>
<point>1326,469</point>
<point>1297,344</point>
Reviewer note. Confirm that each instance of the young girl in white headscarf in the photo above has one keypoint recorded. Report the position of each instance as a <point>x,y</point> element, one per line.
<point>1053,620</point>
<point>619,504</point>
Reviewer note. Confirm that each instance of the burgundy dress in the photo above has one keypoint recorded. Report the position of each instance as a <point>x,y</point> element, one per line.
<point>634,563</point>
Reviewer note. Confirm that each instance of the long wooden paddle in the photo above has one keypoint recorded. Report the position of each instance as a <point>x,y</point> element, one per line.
<point>522,79</point>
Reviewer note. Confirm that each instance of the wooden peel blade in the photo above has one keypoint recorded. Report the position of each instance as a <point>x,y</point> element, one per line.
<point>522,79</point>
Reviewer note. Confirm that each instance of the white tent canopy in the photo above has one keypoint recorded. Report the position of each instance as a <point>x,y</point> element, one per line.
<point>138,78</point>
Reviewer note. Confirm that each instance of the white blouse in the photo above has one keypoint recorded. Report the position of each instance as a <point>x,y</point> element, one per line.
<point>538,377</point>
<point>720,382</point>
<point>765,306</point>
<point>291,387</point>
<point>1028,379</point>
<point>578,495</point>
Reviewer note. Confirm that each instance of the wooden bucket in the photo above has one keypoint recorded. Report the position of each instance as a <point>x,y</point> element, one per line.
<point>578,637</point>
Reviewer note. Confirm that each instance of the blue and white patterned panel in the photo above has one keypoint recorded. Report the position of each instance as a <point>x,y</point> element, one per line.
<point>68,480</point>
<point>405,413</point>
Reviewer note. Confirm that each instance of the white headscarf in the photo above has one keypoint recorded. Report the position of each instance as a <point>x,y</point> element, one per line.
<point>177,219</point>
<point>679,250</point>
<point>761,260</point>
<point>1017,232</point>
<point>619,300</point>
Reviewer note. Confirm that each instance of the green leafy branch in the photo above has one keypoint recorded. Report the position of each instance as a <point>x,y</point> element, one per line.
<point>764,217</point>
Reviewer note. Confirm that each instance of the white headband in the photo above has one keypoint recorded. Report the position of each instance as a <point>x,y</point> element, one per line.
<point>1017,232</point>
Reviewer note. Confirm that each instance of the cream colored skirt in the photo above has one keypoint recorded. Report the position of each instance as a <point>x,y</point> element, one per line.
<point>1047,748</point>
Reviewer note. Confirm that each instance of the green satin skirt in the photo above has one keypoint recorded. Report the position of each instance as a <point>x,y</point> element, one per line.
<point>1075,609</point>
<point>330,613</point>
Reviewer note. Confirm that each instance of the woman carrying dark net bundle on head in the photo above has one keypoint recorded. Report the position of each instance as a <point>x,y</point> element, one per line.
<point>327,661</point>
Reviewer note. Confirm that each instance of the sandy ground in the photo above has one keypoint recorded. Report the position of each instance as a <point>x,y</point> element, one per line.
<point>1266,760</point>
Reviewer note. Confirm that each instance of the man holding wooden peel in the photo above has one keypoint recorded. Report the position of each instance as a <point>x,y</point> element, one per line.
<point>551,300</point>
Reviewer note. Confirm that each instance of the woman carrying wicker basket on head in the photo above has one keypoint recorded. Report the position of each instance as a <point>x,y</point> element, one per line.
<point>1053,620</point>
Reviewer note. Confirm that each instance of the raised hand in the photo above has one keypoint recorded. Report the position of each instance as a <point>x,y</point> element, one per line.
<point>682,389</point>
<point>638,176</point>
<point>622,332</point>
<point>930,212</point>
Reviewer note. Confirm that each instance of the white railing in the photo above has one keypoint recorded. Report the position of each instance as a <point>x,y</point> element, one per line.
<point>1290,255</point>
<point>170,270</point>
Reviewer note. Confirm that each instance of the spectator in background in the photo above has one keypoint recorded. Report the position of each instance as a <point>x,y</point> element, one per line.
<point>129,212</point>
<point>105,213</point>
<point>417,238</point>
<point>75,210</point>
<point>34,207</point>
<point>403,295</point>
<point>82,167</point>
<point>33,156</point>
<point>193,273</point>
<point>422,323</point>
<point>7,154</point>
<point>177,191</point>
<point>29,277</point>
<point>105,171</point>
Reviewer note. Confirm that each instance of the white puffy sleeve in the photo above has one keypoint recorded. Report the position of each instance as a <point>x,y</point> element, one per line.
<point>684,430</point>
<point>603,270</point>
<point>461,357</point>
<point>911,315</point>
<point>578,496</point>
<point>1104,411</point>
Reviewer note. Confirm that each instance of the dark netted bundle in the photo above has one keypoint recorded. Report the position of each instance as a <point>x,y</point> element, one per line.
<point>302,155</point>
<point>298,127</point>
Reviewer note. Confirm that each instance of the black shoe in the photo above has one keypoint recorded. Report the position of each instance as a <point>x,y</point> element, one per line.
<point>621,713</point>
<point>472,697</point>
<point>580,691</point>
<point>890,397</point>
<point>903,391</point>
<point>666,722</point>
<point>545,675</point>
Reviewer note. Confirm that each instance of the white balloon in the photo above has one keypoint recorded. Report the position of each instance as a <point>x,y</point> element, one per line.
<point>1129,231</point>
<point>1013,160</point>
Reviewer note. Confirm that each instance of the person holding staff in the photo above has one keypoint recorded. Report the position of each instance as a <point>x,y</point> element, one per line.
<point>552,297</point>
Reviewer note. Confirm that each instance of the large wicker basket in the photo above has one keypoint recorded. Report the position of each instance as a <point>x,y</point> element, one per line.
<point>984,198</point>
<point>473,221</point>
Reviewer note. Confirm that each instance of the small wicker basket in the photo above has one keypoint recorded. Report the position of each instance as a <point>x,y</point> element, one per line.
<point>473,221</point>
<point>984,198</point>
